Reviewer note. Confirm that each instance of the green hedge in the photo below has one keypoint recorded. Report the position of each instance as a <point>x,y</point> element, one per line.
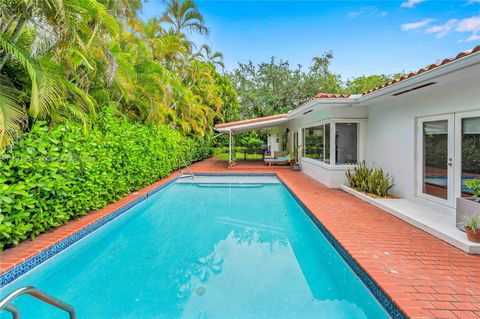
<point>52,175</point>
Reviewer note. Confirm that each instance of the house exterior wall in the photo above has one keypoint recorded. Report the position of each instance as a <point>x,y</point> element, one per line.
<point>328,174</point>
<point>392,132</point>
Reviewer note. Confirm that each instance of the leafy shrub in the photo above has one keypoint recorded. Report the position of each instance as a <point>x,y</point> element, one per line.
<point>221,150</point>
<point>474,185</point>
<point>52,175</point>
<point>370,180</point>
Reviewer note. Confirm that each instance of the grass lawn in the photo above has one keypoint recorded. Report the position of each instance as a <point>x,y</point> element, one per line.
<point>238,156</point>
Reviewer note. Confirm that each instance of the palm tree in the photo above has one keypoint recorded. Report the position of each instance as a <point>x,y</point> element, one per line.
<point>207,55</point>
<point>184,16</point>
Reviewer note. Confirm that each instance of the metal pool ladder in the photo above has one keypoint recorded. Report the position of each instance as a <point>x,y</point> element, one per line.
<point>189,170</point>
<point>37,293</point>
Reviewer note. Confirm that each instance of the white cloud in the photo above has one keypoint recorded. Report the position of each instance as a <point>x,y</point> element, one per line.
<point>473,37</point>
<point>411,3</point>
<point>442,30</point>
<point>469,25</point>
<point>372,11</point>
<point>416,25</point>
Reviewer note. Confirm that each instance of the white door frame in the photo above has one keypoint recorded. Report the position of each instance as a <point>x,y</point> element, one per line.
<point>451,159</point>
<point>458,148</point>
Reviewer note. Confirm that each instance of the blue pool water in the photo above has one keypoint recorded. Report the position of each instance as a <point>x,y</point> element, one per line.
<point>204,250</point>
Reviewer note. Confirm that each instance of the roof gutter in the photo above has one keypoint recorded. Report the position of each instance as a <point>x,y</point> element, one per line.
<point>252,125</point>
<point>451,67</point>
<point>323,101</point>
<point>457,65</point>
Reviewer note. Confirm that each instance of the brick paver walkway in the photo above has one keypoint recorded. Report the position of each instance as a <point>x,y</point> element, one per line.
<point>424,276</point>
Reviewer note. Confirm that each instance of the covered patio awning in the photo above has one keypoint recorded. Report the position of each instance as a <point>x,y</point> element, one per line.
<point>249,125</point>
<point>253,124</point>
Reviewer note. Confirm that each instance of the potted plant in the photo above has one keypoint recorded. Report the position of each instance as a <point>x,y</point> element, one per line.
<point>296,164</point>
<point>469,206</point>
<point>472,228</point>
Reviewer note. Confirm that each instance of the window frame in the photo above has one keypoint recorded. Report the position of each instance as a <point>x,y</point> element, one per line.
<point>325,143</point>
<point>361,131</point>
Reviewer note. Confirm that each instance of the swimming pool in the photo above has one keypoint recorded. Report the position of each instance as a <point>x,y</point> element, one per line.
<point>218,247</point>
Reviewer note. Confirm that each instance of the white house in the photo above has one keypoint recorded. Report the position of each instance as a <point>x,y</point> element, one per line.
<point>424,129</point>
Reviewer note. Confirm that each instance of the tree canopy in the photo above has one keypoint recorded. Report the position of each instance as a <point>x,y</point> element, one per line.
<point>276,87</point>
<point>64,60</point>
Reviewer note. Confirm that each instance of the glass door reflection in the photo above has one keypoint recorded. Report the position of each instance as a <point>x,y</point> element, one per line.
<point>436,159</point>
<point>470,140</point>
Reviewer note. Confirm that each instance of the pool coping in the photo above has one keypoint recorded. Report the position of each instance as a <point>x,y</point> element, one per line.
<point>14,273</point>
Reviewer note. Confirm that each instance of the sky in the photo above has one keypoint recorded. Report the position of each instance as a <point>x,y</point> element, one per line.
<point>366,37</point>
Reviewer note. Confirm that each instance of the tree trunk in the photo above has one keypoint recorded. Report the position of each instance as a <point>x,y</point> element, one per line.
<point>18,31</point>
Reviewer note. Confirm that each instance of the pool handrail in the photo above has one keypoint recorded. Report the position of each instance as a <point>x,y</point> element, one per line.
<point>188,167</point>
<point>40,295</point>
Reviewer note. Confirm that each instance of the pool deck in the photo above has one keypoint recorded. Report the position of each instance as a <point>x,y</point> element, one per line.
<point>424,276</point>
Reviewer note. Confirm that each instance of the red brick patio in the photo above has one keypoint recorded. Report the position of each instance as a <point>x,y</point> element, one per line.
<point>424,276</point>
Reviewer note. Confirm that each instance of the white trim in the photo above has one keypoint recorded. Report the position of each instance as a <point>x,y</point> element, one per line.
<point>456,65</point>
<point>450,201</point>
<point>458,149</point>
<point>427,217</point>
<point>253,125</point>
<point>330,167</point>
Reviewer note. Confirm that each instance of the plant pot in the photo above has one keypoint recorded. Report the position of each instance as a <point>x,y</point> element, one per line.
<point>467,206</point>
<point>474,237</point>
<point>296,167</point>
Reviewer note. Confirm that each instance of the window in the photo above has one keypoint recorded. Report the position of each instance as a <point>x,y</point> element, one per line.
<point>317,143</point>
<point>470,152</point>
<point>284,141</point>
<point>346,143</point>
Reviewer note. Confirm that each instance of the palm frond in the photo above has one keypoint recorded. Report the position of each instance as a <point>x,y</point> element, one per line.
<point>12,115</point>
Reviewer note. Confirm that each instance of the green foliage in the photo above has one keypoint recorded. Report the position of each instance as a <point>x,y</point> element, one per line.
<point>474,185</point>
<point>68,59</point>
<point>472,222</point>
<point>370,180</point>
<point>52,175</point>
<point>274,87</point>
<point>364,84</point>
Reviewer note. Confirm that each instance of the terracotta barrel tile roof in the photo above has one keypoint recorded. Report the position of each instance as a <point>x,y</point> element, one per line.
<point>427,68</point>
<point>331,96</point>
<point>258,119</point>
<point>345,96</point>
<point>406,76</point>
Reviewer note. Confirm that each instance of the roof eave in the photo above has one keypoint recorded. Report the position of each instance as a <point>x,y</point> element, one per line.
<point>253,125</point>
<point>322,101</point>
<point>429,75</point>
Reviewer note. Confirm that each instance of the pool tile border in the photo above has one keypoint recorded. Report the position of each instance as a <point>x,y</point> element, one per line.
<point>372,286</point>
<point>21,269</point>
<point>24,267</point>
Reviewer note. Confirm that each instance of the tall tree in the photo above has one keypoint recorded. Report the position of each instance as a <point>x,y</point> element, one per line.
<point>184,16</point>
<point>60,60</point>
<point>275,87</point>
<point>206,54</point>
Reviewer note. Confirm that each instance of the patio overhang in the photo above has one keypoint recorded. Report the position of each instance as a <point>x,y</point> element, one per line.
<point>252,124</point>
<point>249,125</point>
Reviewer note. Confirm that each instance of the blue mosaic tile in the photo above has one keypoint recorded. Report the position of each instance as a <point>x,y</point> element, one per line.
<point>382,298</point>
<point>43,256</point>
<point>36,260</point>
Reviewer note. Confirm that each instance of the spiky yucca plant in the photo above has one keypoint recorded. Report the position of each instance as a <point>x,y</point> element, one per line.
<point>370,180</point>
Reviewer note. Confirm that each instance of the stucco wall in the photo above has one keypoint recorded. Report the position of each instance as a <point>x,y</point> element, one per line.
<point>391,139</point>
